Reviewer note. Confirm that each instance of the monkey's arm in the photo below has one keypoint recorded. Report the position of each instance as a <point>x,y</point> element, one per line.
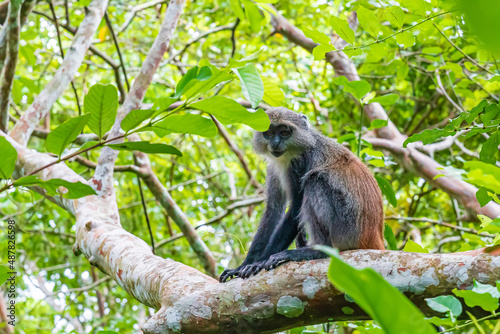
<point>275,210</point>
<point>281,239</point>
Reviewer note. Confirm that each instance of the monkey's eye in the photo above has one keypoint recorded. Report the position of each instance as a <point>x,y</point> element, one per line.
<point>285,133</point>
<point>267,134</point>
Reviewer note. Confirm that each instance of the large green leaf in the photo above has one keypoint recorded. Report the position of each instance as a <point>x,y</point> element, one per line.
<point>489,151</point>
<point>386,100</point>
<point>406,38</point>
<point>342,29</point>
<point>484,297</point>
<point>253,15</point>
<point>273,95</point>
<point>9,158</point>
<point>380,300</point>
<point>446,304</point>
<point>431,135</point>
<point>192,77</point>
<point>387,190</point>
<point>146,147</point>
<point>229,111</point>
<point>188,123</point>
<point>251,83</point>
<point>102,104</point>
<point>59,138</point>
<point>369,21</point>
<point>483,174</point>
<point>396,16</point>
<point>320,50</point>
<point>74,189</point>
<point>316,36</point>
<point>135,118</point>
<point>358,88</point>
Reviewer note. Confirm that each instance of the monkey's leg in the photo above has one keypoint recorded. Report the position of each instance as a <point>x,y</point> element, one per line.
<point>281,239</point>
<point>302,254</point>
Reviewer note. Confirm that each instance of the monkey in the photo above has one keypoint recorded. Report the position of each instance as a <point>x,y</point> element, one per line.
<point>331,194</point>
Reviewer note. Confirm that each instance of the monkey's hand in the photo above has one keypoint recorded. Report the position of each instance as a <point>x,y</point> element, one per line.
<point>276,260</point>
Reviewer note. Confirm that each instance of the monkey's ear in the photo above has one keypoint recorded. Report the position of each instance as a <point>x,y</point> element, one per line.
<point>304,120</point>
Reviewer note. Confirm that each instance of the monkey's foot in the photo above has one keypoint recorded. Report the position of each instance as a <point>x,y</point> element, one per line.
<point>228,274</point>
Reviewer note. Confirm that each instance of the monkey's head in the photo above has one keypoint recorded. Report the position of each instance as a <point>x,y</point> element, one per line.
<point>288,136</point>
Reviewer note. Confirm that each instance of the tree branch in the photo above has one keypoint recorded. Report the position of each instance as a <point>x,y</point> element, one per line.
<point>64,75</point>
<point>13,26</point>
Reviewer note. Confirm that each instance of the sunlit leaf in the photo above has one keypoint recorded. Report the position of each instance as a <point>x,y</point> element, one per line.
<point>387,190</point>
<point>342,28</point>
<point>146,147</point>
<point>395,15</point>
<point>188,123</point>
<point>390,238</point>
<point>229,111</point>
<point>9,158</point>
<point>358,88</point>
<point>369,21</point>
<point>135,118</point>
<point>73,190</point>
<point>59,138</point>
<point>251,84</point>
<point>388,99</point>
<point>273,95</point>
<point>102,104</point>
<point>489,151</point>
<point>412,247</point>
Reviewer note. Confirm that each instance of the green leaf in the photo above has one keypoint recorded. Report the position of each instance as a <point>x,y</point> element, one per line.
<point>135,118</point>
<point>484,300</point>
<point>378,123</point>
<point>59,138</point>
<point>192,77</point>
<point>229,111</point>
<point>446,304</point>
<point>146,147</point>
<point>237,9</point>
<point>406,38</point>
<point>74,190</point>
<point>9,158</point>
<point>316,36</point>
<point>416,6</point>
<point>102,104</point>
<point>253,15</point>
<point>197,87</point>
<point>489,151</point>
<point>390,238</point>
<point>387,190</point>
<point>412,247</point>
<point>4,274</point>
<point>251,84</point>
<point>162,104</point>
<point>483,174</point>
<point>188,123</point>
<point>88,144</point>
<point>431,135</point>
<point>379,299</point>
<point>386,100</point>
<point>342,29</point>
<point>491,113</point>
<point>395,16</point>
<point>320,50</point>
<point>490,226</point>
<point>273,95</point>
<point>483,196</point>
<point>369,21</point>
<point>358,88</point>
<point>485,288</point>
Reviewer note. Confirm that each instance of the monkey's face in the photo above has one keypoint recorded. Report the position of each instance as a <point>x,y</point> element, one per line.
<point>277,138</point>
<point>283,141</point>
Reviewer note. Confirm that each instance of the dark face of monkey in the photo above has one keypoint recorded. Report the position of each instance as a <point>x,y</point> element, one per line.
<point>288,136</point>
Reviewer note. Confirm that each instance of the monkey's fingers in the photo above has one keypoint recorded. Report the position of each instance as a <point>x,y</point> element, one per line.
<point>250,270</point>
<point>273,262</point>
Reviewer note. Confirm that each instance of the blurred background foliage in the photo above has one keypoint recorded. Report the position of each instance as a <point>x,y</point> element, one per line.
<point>56,291</point>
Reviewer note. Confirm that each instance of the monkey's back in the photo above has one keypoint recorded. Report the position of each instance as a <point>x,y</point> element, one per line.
<point>354,194</point>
